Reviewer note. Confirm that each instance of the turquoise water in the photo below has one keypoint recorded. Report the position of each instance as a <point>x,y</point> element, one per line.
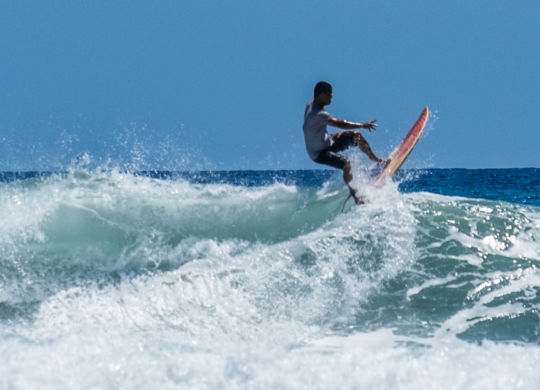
<point>266,280</point>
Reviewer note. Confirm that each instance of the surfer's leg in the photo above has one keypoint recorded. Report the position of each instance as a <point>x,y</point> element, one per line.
<point>336,160</point>
<point>347,177</point>
<point>342,141</point>
<point>347,174</point>
<point>328,157</point>
<point>361,142</point>
<point>346,139</point>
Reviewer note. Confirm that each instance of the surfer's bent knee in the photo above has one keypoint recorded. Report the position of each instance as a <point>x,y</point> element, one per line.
<point>359,139</point>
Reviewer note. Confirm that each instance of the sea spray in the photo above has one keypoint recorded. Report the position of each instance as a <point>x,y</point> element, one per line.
<point>258,280</point>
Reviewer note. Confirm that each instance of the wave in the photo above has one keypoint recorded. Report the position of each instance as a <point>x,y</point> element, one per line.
<point>214,284</point>
<point>420,263</point>
<point>71,229</point>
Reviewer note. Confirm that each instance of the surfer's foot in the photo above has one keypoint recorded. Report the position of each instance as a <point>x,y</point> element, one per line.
<point>357,199</point>
<point>383,162</point>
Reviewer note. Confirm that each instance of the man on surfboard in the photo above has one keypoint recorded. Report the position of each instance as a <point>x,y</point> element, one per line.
<point>322,147</point>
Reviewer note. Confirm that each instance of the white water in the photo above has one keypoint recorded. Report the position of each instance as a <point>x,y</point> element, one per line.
<point>111,281</point>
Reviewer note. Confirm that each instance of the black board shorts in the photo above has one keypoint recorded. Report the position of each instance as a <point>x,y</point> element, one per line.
<point>342,140</point>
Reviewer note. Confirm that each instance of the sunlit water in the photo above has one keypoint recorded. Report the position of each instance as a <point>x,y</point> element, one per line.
<point>266,280</point>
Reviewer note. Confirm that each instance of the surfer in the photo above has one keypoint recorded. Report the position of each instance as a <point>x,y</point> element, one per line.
<point>322,147</point>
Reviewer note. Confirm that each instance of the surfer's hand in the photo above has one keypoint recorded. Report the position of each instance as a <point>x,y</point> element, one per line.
<point>370,125</point>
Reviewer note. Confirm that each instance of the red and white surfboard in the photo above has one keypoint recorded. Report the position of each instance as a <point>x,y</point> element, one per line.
<point>400,154</point>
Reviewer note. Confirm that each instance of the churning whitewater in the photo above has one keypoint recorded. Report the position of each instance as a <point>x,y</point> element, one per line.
<point>117,280</point>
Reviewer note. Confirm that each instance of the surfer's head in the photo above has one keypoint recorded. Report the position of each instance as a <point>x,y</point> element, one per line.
<point>322,93</point>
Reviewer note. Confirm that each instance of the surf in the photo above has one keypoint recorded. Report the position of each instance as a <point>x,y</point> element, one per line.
<point>221,278</point>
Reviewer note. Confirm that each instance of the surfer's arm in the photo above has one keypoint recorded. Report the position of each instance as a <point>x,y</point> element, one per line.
<point>347,125</point>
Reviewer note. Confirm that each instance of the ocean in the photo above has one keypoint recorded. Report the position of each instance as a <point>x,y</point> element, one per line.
<point>269,280</point>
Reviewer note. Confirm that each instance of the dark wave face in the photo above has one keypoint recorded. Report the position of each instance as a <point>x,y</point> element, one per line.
<point>268,280</point>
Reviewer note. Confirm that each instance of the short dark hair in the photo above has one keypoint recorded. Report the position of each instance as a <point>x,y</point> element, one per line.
<point>322,87</point>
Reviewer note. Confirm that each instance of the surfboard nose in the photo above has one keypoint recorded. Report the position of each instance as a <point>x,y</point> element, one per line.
<point>402,151</point>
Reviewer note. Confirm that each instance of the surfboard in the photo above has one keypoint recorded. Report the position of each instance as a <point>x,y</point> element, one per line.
<point>402,151</point>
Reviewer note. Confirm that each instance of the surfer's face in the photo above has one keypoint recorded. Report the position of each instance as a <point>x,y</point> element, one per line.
<point>325,98</point>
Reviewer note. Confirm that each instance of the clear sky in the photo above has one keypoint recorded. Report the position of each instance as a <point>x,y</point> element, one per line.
<point>223,84</point>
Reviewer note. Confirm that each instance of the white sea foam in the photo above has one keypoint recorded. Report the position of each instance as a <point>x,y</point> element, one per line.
<point>118,281</point>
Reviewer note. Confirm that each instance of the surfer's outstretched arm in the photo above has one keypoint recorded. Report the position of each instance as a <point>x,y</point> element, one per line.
<point>348,125</point>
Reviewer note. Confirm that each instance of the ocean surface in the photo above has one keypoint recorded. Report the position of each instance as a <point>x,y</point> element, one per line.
<point>269,280</point>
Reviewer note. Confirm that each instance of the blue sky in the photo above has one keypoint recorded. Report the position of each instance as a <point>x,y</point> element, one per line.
<point>223,84</point>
